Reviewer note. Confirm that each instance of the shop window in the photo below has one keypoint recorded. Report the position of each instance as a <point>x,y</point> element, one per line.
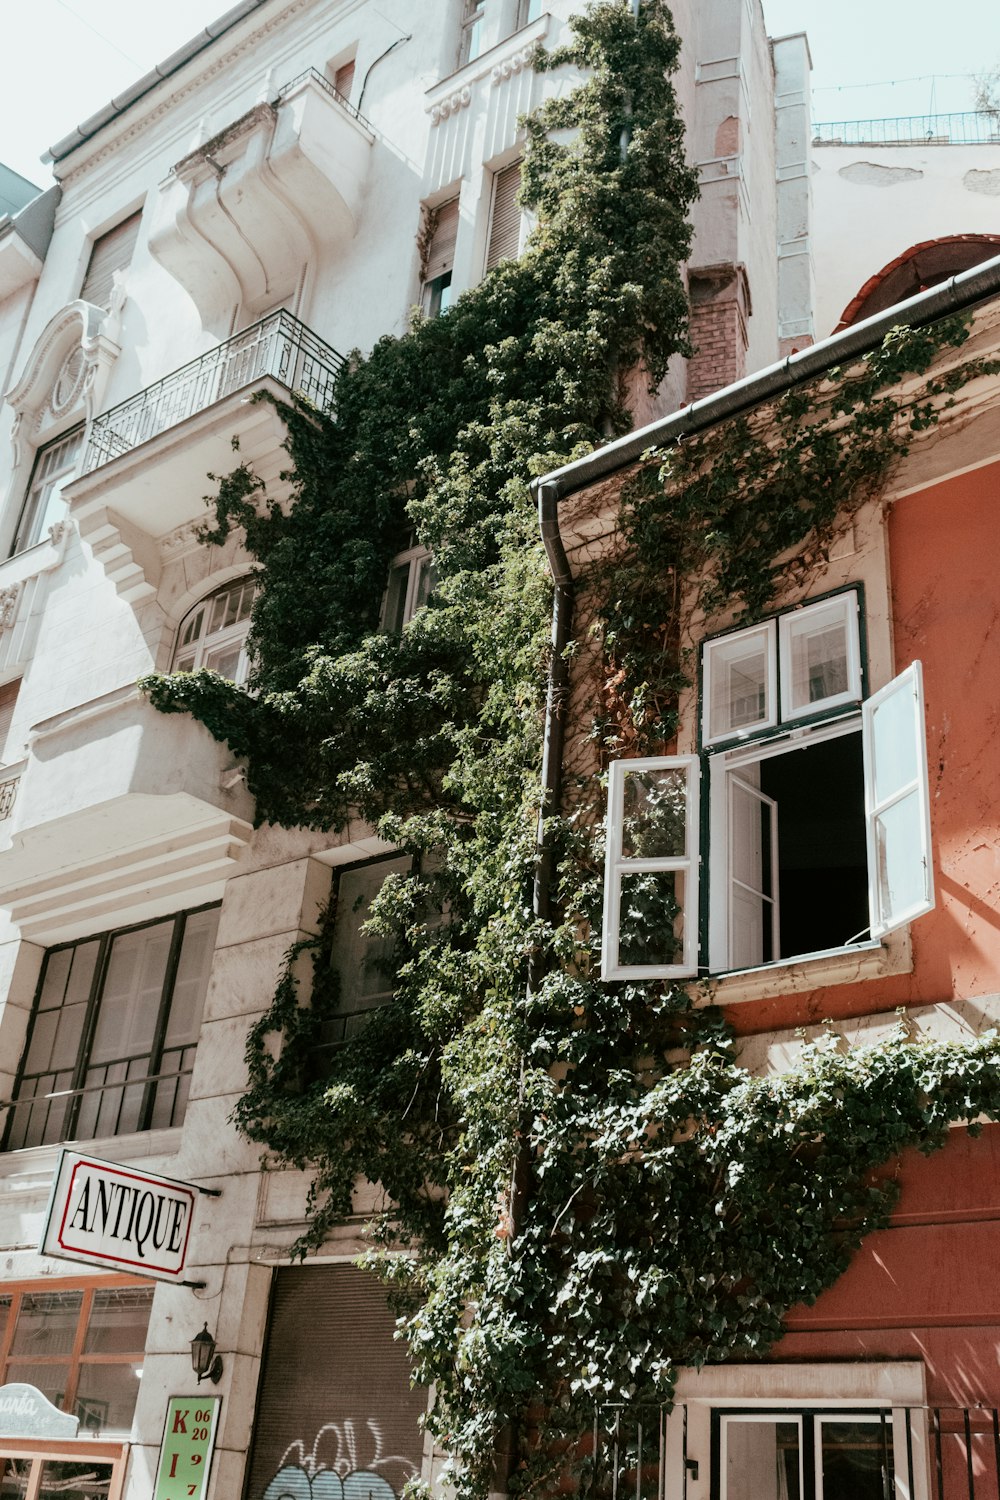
<point>439,260</point>
<point>817,810</point>
<point>113,1033</point>
<point>44,507</point>
<point>309,1401</point>
<point>504,241</point>
<point>81,1345</point>
<point>111,253</point>
<point>213,634</point>
<point>787,1455</point>
<point>411,581</point>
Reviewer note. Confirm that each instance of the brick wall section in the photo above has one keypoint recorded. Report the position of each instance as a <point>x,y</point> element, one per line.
<point>720,307</point>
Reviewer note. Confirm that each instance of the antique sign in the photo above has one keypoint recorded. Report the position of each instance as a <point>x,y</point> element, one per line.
<point>188,1441</point>
<point>119,1218</point>
<point>26,1413</point>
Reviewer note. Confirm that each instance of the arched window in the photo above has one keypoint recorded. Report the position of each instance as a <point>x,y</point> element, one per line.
<point>213,634</point>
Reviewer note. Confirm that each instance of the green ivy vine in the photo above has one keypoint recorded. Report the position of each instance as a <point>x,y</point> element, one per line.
<point>673,1207</point>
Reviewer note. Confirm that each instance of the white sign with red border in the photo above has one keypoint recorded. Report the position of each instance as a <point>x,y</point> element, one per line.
<point>119,1218</point>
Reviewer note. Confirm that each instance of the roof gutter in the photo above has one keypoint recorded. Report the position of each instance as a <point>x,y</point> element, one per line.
<point>959,294</point>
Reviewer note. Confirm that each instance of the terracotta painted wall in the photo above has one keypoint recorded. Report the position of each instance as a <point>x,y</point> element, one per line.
<point>944,548</point>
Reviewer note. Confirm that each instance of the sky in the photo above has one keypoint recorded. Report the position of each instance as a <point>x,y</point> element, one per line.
<point>64,59</point>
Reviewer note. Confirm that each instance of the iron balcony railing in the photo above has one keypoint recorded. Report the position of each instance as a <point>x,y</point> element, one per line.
<point>8,794</point>
<point>907,1453</point>
<point>971,128</point>
<point>278,346</point>
<point>327,87</point>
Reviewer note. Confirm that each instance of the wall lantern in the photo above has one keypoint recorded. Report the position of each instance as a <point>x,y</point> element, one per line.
<point>207,1365</point>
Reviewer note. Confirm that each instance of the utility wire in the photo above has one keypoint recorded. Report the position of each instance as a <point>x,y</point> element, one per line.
<point>106,39</point>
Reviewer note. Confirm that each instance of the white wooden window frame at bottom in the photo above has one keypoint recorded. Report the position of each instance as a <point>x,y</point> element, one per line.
<point>39,1453</point>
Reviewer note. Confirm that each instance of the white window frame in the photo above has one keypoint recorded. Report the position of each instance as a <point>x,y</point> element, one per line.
<point>909,687</point>
<point>716,655</point>
<point>839,608</point>
<point>207,641</point>
<point>419,561</point>
<point>43,506</point>
<point>617,866</point>
<point>720,767</point>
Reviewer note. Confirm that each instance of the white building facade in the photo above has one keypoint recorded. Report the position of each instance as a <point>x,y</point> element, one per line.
<point>281,191</point>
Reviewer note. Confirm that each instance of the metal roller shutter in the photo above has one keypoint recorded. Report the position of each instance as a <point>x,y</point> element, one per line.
<point>335,1391</point>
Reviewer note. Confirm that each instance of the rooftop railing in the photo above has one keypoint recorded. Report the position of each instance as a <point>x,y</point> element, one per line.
<point>278,346</point>
<point>972,128</point>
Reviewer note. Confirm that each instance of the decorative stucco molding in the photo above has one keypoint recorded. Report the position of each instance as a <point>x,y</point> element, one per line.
<point>66,374</point>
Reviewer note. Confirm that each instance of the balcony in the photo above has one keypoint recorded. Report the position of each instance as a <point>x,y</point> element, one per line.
<point>240,215</point>
<point>146,466</point>
<point>121,813</point>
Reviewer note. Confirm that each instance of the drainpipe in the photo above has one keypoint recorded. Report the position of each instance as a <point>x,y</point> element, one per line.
<point>557,697</point>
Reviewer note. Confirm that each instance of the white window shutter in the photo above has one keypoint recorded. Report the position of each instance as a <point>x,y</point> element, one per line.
<point>897,803</point>
<point>651,869</point>
<point>441,252</point>
<point>505,219</point>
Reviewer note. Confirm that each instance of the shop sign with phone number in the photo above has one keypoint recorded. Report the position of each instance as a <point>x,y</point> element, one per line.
<point>188,1440</point>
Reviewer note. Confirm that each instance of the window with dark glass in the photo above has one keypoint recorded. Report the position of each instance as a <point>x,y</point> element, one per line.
<point>411,581</point>
<point>43,507</point>
<point>81,1345</point>
<point>113,1033</point>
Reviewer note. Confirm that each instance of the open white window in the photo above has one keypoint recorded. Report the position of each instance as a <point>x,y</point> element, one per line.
<point>819,838</point>
<point>897,803</point>
<point>651,870</point>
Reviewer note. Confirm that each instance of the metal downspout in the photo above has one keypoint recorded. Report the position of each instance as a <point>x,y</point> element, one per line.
<point>557,697</point>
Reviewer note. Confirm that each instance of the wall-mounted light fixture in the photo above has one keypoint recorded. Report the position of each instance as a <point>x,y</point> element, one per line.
<point>207,1365</point>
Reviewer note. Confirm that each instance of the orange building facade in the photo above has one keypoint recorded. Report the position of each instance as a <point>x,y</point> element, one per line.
<point>889,1384</point>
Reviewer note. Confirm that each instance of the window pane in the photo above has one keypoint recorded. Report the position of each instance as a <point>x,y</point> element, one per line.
<point>363,961</point>
<point>820,659</point>
<point>193,969</point>
<point>899,843</point>
<point>16,1473</point>
<point>654,824</point>
<point>739,682</point>
<point>130,1000</point>
<point>119,1317</point>
<point>51,1379</point>
<point>894,743</point>
<point>857,1460</point>
<point>62,1480</point>
<point>46,1323</point>
<point>62,1007</point>
<point>651,921</point>
<point>224,659</point>
<point>106,1397</point>
<point>394,614</point>
<point>763,1461</point>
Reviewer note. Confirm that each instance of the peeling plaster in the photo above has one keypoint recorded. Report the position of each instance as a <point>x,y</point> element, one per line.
<point>870,174</point>
<point>977,181</point>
